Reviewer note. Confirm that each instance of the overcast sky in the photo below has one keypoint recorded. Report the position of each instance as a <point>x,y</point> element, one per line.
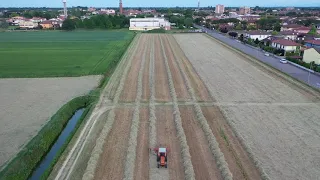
<point>156,3</point>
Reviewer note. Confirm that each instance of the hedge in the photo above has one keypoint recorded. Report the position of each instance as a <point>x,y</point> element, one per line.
<point>27,160</point>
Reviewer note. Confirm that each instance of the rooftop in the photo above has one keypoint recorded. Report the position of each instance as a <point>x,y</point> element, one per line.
<point>285,42</point>
<point>258,33</point>
<point>315,42</point>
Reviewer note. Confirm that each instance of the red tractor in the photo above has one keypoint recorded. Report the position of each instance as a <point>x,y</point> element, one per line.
<point>162,159</point>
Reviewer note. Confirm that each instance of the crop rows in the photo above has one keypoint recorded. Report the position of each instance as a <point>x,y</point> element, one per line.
<point>131,152</point>
<point>189,172</point>
<point>213,144</point>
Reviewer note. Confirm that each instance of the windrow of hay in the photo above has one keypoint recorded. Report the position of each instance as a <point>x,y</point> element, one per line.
<point>213,144</point>
<point>186,157</point>
<point>131,152</point>
<point>95,155</point>
<point>248,149</point>
<point>152,108</point>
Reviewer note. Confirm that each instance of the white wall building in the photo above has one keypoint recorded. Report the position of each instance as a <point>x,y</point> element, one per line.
<point>285,44</point>
<point>145,24</point>
<point>257,34</point>
<point>28,24</point>
<point>312,54</point>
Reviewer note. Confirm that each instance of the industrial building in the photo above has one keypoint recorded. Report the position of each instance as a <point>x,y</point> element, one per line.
<point>146,24</point>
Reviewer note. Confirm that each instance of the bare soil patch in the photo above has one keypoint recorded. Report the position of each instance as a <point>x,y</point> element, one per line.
<point>203,161</point>
<point>180,87</point>
<point>237,158</point>
<point>167,136</point>
<point>142,158</point>
<point>130,87</point>
<point>199,87</point>
<point>161,79</point>
<point>27,104</point>
<point>111,163</point>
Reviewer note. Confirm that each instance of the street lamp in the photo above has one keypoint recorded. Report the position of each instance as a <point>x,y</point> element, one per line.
<point>309,72</point>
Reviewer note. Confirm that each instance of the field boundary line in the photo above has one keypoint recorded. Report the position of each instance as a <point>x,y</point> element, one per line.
<point>257,163</point>
<point>133,140</point>
<point>98,149</point>
<point>185,153</point>
<point>81,139</point>
<point>213,144</point>
<point>271,69</point>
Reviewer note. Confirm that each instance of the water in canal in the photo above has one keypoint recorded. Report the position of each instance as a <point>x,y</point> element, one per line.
<point>45,163</point>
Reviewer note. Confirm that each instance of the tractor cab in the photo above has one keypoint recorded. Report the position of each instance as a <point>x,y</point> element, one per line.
<point>162,157</point>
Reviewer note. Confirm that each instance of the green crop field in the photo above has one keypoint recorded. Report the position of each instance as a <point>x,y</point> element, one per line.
<point>50,54</point>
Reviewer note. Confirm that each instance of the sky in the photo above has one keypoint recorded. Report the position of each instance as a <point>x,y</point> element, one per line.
<point>157,3</point>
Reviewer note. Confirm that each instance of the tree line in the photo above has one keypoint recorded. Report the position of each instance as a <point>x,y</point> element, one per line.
<point>97,22</point>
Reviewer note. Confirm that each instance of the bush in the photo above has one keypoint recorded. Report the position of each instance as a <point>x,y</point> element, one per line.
<point>317,69</point>
<point>22,166</point>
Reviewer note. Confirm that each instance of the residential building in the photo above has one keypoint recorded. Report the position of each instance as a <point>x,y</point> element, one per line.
<point>219,9</point>
<point>291,35</point>
<point>249,17</point>
<point>268,41</point>
<point>260,35</point>
<point>244,10</point>
<point>28,24</point>
<point>312,54</point>
<point>290,27</point>
<point>46,24</point>
<point>285,44</point>
<point>145,24</point>
<point>312,43</point>
<point>107,11</point>
<point>38,19</point>
<point>302,30</point>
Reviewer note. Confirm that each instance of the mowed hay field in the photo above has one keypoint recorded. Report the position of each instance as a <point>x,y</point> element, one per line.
<point>277,120</point>
<point>159,101</point>
<point>51,54</point>
<point>27,104</point>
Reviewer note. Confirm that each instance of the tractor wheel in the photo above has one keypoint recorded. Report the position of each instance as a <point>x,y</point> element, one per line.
<point>158,165</point>
<point>166,166</point>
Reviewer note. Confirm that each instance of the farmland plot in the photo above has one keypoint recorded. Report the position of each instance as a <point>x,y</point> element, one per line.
<point>27,104</point>
<point>160,101</point>
<point>277,120</point>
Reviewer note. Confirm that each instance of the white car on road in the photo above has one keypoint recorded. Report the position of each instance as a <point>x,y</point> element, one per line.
<point>283,61</point>
<point>267,54</point>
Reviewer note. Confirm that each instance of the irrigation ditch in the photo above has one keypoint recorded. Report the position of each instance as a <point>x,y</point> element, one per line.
<point>39,156</point>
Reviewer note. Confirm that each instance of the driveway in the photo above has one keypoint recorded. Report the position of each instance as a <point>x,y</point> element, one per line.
<point>298,73</point>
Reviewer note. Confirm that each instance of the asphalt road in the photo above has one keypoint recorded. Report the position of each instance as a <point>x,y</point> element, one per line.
<point>296,72</point>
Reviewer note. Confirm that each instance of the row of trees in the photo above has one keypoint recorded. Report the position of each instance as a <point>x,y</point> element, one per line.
<point>97,22</point>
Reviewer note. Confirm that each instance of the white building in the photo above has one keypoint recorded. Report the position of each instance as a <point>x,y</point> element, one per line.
<point>233,15</point>
<point>29,24</point>
<point>260,35</point>
<point>219,9</point>
<point>312,54</point>
<point>145,24</point>
<point>108,11</point>
<point>285,44</point>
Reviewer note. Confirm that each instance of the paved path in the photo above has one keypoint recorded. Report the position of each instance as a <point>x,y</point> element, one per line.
<point>298,73</point>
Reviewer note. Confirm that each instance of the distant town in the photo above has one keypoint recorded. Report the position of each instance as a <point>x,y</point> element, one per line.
<point>285,31</point>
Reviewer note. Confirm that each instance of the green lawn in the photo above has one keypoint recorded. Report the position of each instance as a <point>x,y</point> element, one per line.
<point>50,54</point>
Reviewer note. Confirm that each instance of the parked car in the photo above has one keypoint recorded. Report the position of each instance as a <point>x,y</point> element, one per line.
<point>267,54</point>
<point>284,61</point>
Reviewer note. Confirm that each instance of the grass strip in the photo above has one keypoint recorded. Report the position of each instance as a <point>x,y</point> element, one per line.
<point>22,166</point>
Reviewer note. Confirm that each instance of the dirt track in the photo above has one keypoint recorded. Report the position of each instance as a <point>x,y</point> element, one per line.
<point>177,111</point>
<point>277,120</point>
